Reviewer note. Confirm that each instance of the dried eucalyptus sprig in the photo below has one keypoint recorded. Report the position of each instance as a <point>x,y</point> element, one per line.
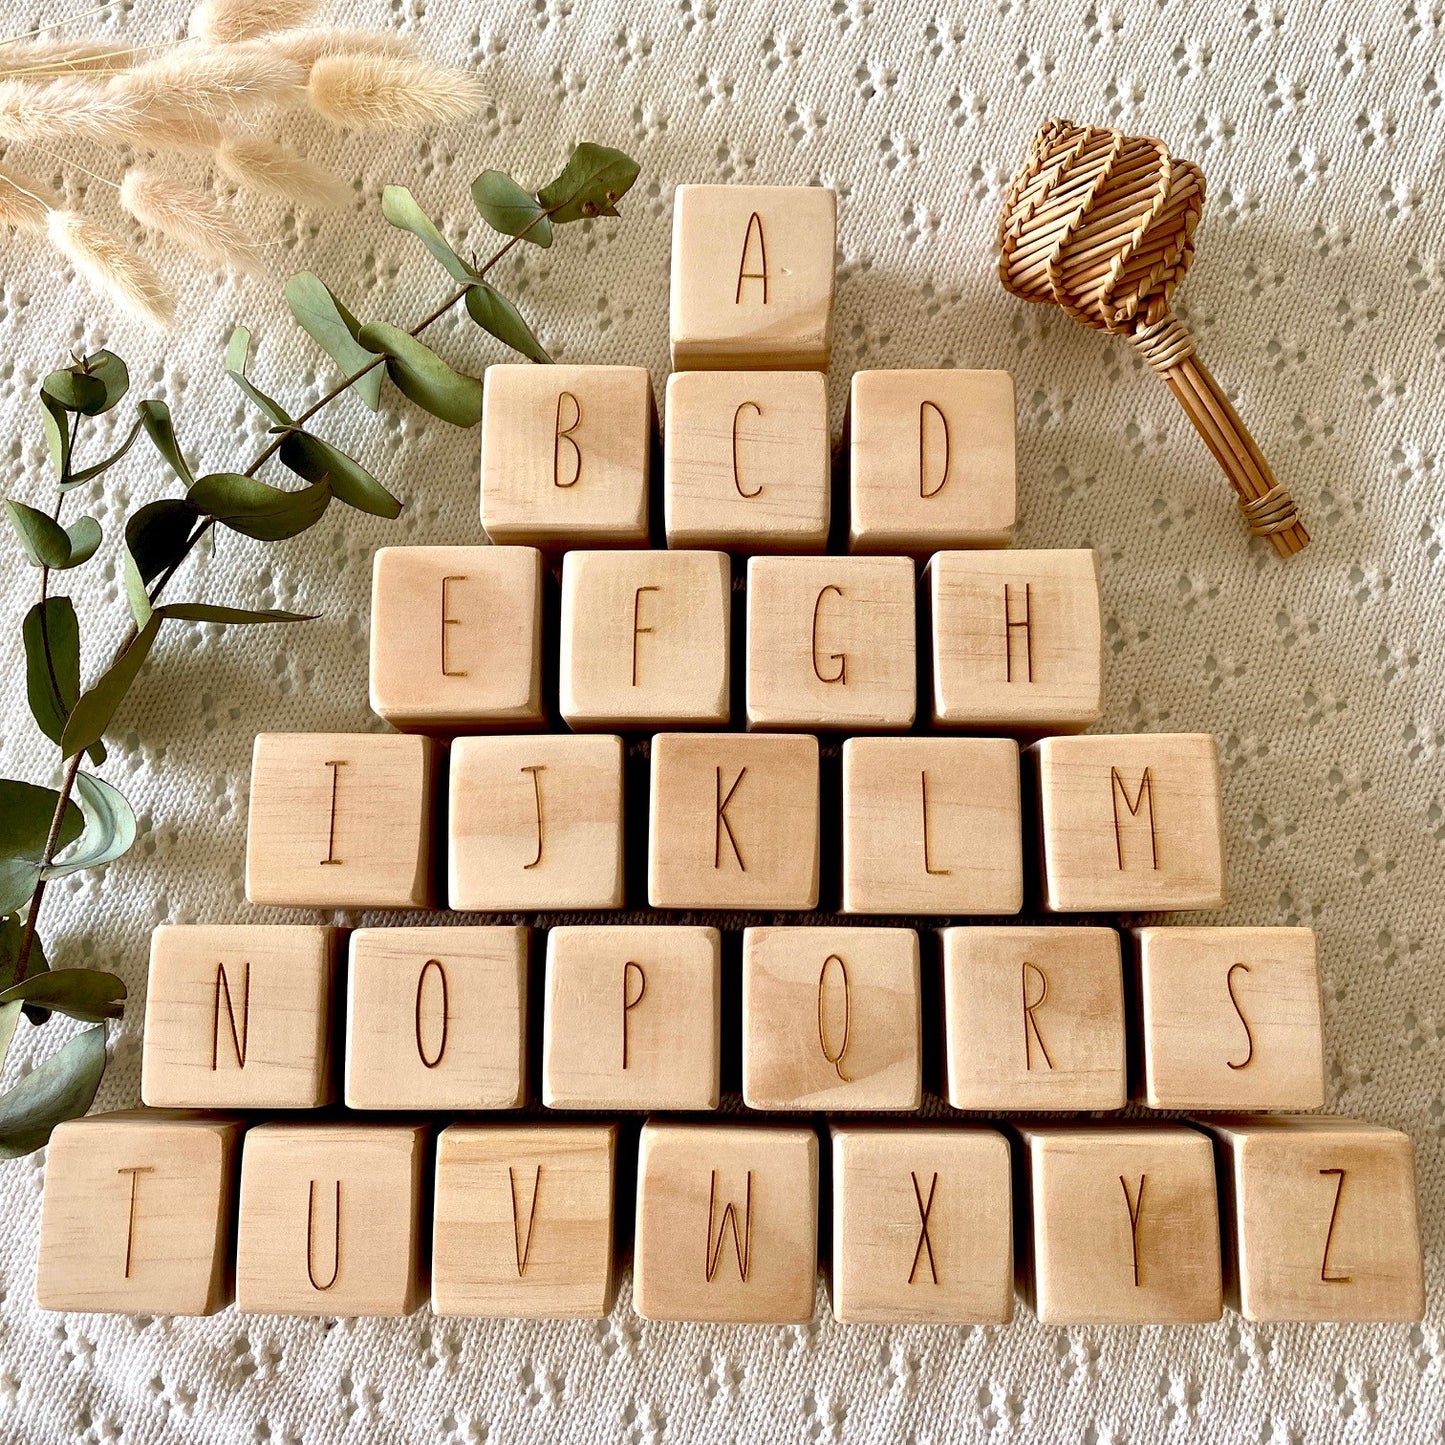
<point>48,833</point>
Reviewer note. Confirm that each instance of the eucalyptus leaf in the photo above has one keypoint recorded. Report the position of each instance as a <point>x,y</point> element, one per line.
<point>494,313</point>
<point>256,510</point>
<point>155,417</point>
<point>157,534</point>
<point>137,594</point>
<point>75,390</point>
<point>12,935</point>
<point>91,715</point>
<point>109,829</point>
<point>209,612</point>
<point>84,538</point>
<point>57,435</point>
<point>107,368</point>
<point>238,351</point>
<point>594,179</point>
<point>311,457</point>
<point>52,685</point>
<point>424,377</point>
<point>9,1018</point>
<point>400,207</point>
<point>26,812</point>
<point>42,537</point>
<point>506,207</point>
<point>86,994</point>
<point>335,330</point>
<point>86,474</point>
<point>61,1088</point>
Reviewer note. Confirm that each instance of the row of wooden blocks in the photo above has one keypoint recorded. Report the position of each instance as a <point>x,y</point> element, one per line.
<point>1118,1223</point>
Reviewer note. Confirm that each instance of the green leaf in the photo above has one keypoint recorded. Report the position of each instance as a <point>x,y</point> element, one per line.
<point>594,179</point>
<point>92,714</point>
<point>52,686</point>
<point>86,994</point>
<point>399,207</point>
<point>209,612</point>
<point>9,1017</point>
<point>256,510</point>
<point>155,417</point>
<point>310,457</point>
<point>12,932</point>
<point>42,537</point>
<point>238,351</point>
<point>494,313</point>
<point>335,330</point>
<point>57,435</point>
<point>84,538</point>
<point>26,812</point>
<point>156,534</point>
<point>107,368</point>
<point>507,208</point>
<point>90,386</point>
<point>60,1088</point>
<point>109,829</point>
<point>424,377</point>
<point>86,474</point>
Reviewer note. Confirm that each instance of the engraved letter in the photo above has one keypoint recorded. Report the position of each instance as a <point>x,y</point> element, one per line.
<point>311,1238</point>
<point>432,1060</point>
<point>722,822</point>
<point>523,1246</point>
<point>1026,626</point>
<point>238,1034</point>
<point>1031,1024</point>
<point>536,770</point>
<point>927,851</point>
<point>1146,790</point>
<point>925,1242</point>
<point>1136,1207</point>
<point>1326,1276</point>
<point>834,1057</point>
<point>924,490</point>
<point>1234,999</point>
<point>737,475</point>
<point>336,768</point>
<point>566,434</point>
<point>841,674</point>
<point>630,1000</point>
<point>742,1244</point>
<point>755,225</point>
<point>135,1171</point>
<point>449,621</point>
<point>637,628</point>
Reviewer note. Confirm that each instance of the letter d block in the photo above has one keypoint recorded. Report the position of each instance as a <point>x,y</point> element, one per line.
<point>137,1214</point>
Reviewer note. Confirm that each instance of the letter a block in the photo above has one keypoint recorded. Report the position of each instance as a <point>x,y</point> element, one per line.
<point>752,277</point>
<point>1124,1222</point>
<point>1323,1217</point>
<point>341,820</point>
<point>1130,823</point>
<point>922,1225</point>
<point>734,821</point>
<point>727,1223</point>
<point>524,1221</point>
<point>137,1214</point>
<point>565,454</point>
<point>931,456</point>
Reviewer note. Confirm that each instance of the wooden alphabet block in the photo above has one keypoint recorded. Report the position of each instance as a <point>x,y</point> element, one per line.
<point>752,277</point>
<point>535,823</point>
<point>1130,823</point>
<point>831,643</point>
<point>922,1225</point>
<point>524,1221</point>
<point>436,1018</point>
<point>831,1019</point>
<point>931,825</point>
<point>727,1223</point>
<point>341,820</point>
<point>1124,1224</point>
<point>566,452</point>
<point>644,638</point>
<point>456,637</point>
<point>1034,1018</point>
<point>632,1018</point>
<point>1016,639</point>
<point>239,1017</point>
<point>733,821</point>
<point>747,461</point>
<point>1323,1219</point>
<point>931,457</point>
<point>330,1219</point>
<point>1231,1018</point>
<point>137,1214</point>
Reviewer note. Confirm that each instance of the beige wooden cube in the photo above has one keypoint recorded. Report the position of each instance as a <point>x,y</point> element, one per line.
<point>931,459</point>
<point>1323,1219</point>
<point>832,1019</point>
<point>733,821</point>
<point>644,638</point>
<point>747,461</point>
<point>330,1219</point>
<point>1123,1222</point>
<point>524,1221</point>
<point>239,1016</point>
<point>566,453</point>
<point>1016,639</point>
<point>456,637</point>
<point>535,823</point>
<point>632,1018</point>
<point>1231,1018</point>
<point>1130,823</point>
<point>752,277</point>
<point>1034,1018</point>
<point>436,1018</point>
<point>727,1223</point>
<point>137,1212</point>
<point>341,820</point>
<point>932,825</point>
<point>831,643</point>
<point>922,1225</point>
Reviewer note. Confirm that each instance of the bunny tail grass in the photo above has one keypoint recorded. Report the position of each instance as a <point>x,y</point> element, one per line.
<point>385,92</point>
<point>187,217</point>
<point>266,166</point>
<point>110,268</point>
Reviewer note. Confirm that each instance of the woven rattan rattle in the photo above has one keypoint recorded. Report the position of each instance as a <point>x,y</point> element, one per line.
<point>1102,224</point>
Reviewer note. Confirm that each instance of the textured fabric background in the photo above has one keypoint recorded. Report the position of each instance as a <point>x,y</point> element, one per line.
<point>1317,293</point>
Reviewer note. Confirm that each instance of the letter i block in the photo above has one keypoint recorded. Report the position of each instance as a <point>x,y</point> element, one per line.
<point>1323,1217</point>
<point>727,1223</point>
<point>832,1019</point>
<point>437,1018</point>
<point>239,1017</point>
<point>922,1225</point>
<point>747,461</point>
<point>137,1214</point>
<point>456,637</point>
<point>752,277</point>
<point>644,638</point>
<point>1231,1018</point>
<point>535,823</point>
<point>1130,823</point>
<point>330,1219</point>
<point>566,452</point>
<point>524,1221</point>
<point>1124,1225</point>
<point>931,458</point>
<point>341,820</point>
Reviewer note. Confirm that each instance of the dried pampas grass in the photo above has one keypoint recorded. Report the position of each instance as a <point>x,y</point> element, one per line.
<point>25,203</point>
<point>225,21</point>
<point>188,217</point>
<point>110,268</point>
<point>256,164</point>
<point>386,92</point>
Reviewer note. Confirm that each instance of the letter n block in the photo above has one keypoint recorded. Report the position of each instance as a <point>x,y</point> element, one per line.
<point>1130,823</point>
<point>137,1214</point>
<point>752,277</point>
<point>727,1223</point>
